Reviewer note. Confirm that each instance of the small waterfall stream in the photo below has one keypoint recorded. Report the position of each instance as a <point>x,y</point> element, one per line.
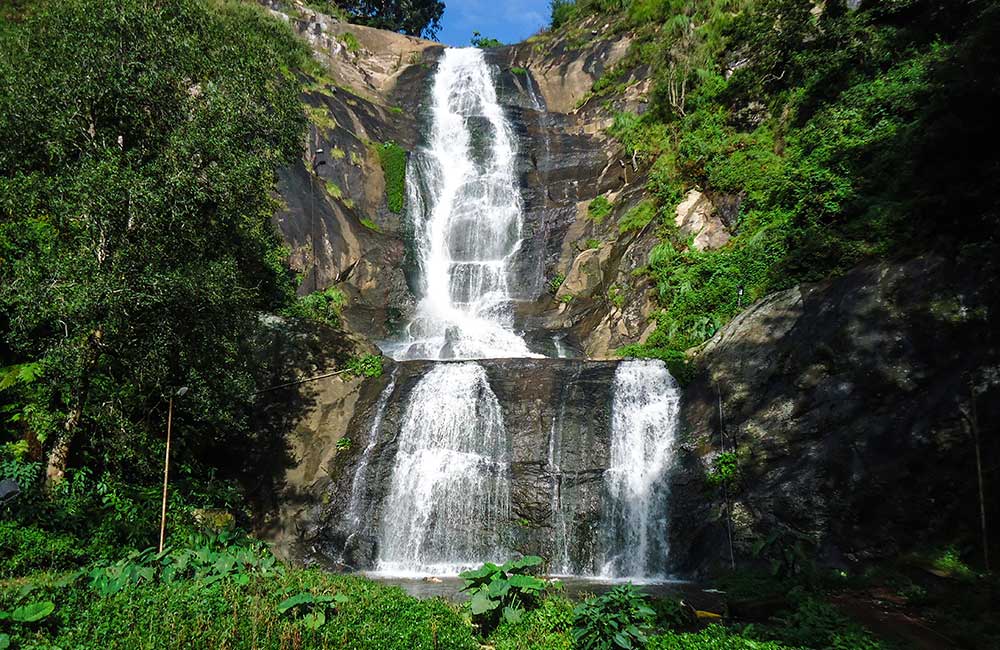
<point>643,431</point>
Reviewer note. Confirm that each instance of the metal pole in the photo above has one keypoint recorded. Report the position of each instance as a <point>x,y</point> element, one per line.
<point>166,473</point>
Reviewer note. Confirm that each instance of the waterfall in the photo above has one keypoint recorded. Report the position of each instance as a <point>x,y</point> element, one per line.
<point>359,485</point>
<point>645,408</point>
<point>466,209</point>
<point>450,492</point>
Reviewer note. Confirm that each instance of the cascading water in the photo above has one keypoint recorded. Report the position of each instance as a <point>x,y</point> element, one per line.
<point>449,502</point>
<point>450,490</point>
<point>644,420</point>
<point>466,208</point>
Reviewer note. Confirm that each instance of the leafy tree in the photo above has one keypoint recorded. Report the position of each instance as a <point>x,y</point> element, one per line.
<point>138,144</point>
<point>413,17</point>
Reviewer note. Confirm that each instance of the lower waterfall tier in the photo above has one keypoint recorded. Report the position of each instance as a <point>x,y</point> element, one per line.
<point>452,464</point>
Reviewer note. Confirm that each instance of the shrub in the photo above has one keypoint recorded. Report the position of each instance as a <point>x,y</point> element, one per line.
<point>393,159</point>
<point>638,217</point>
<point>484,42</point>
<point>505,592</point>
<point>715,637</point>
<point>723,470</point>
<point>350,41</point>
<point>816,624</point>
<point>24,549</point>
<point>599,208</point>
<point>556,282</point>
<point>189,614</point>
<point>619,618</point>
<point>562,11</point>
<point>366,366</point>
<point>320,306</point>
<point>549,627</point>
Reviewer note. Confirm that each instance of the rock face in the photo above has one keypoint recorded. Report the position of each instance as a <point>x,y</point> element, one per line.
<point>539,398</point>
<point>851,405</point>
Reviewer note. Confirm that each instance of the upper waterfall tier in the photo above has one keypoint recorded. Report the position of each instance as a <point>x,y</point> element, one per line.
<point>465,205</point>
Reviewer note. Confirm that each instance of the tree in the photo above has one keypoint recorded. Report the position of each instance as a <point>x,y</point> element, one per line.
<point>412,17</point>
<point>138,147</point>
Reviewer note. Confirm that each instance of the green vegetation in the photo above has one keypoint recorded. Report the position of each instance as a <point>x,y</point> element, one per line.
<point>320,116</point>
<point>413,17</point>
<point>393,159</point>
<point>334,190</point>
<point>503,593</point>
<point>638,217</point>
<point>724,468</point>
<point>830,130</point>
<point>370,225</point>
<point>350,41</point>
<point>556,282</point>
<point>319,306</point>
<point>519,71</point>
<point>599,209</point>
<point>138,149</point>
<point>225,596</point>
<point>484,42</point>
<point>367,366</point>
<point>618,619</point>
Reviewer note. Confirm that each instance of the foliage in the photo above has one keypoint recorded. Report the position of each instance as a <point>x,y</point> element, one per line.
<point>715,637</point>
<point>312,609</point>
<point>556,282</point>
<point>366,366</point>
<point>203,559</point>
<point>319,306</point>
<point>413,17</point>
<point>343,444</point>
<point>28,548</point>
<point>830,130</point>
<point>519,71</point>
<point>619,618</point>
<point>187,613</point>
<point>816,624</point>
<point>638,217</point>
<point>949,562</point>
<point>503,592</point>
<point>599,208</point>
<point>484,42</point>
<point>351,42</point>
<point>724,468</point>
<point>370,225</point>
<point>393,159</point>
<point>562,11</point>
<point>547,626</point>
<point>138,149</point>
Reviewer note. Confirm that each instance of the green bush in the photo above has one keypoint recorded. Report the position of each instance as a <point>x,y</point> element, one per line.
<point>320,306</point>
<point>350,41</point>
<point>191,614</point>
<point>638,217</point>
<point>562,11</point>
<point>620,618</point>
<point>599,208</point>
<point>366,366</point>
<point>503,592</point>
<point>548,626</point>
<point>816,624</point>
<point>715,637</point>
<point>393,159</point>
<point>24,549</point>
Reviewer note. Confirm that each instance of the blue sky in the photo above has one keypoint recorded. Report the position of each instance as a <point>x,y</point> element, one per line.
<point>508,20</point>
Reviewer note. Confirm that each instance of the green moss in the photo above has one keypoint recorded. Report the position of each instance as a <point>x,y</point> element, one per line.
<point>337,153</point>
<point>334,190</point>
<point>599,209</point>
<point>350,41</point>
<point>393,159</point>
<point>519,71</point>
<point>638,217</point>
<point>396,110</point>
<point>371,225</point>
<point>321,117</point>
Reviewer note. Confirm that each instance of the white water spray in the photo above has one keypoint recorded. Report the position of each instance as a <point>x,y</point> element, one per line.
<point>450,490</point>
<point>466,208</point>
<point>644,419</point>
